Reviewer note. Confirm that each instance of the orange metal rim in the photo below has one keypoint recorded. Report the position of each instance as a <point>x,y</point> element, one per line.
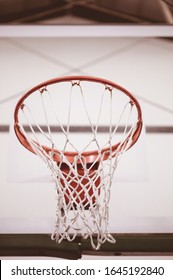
<point>90,156</point>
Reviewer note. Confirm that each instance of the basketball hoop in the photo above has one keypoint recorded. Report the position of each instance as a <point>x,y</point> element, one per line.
<point>83,175</point>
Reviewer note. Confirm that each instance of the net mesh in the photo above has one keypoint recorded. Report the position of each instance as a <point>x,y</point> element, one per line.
<point>83,179</point>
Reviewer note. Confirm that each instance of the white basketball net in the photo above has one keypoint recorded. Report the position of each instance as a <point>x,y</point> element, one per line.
<point>83,194</point>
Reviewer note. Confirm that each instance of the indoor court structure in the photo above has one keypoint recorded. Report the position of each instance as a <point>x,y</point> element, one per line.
<point>136,58</point>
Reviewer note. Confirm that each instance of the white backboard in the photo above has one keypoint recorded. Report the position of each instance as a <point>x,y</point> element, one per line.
<point>142,195</point>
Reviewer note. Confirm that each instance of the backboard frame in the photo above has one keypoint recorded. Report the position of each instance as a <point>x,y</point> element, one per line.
<point>163,241</point>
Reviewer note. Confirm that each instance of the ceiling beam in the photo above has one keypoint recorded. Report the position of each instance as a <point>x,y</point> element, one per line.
<point>166,11</point>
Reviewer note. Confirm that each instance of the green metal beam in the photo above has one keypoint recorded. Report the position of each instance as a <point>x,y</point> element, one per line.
<point>41,245</point>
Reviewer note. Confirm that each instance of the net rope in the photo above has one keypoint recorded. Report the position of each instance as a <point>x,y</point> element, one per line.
<point>82,194</point>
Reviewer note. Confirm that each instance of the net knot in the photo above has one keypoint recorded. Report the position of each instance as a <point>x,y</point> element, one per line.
<point>42,90</point>
<point>22,106</point>
<point>109,88</point>
<point>75,83</point>
<point>131,103</point>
